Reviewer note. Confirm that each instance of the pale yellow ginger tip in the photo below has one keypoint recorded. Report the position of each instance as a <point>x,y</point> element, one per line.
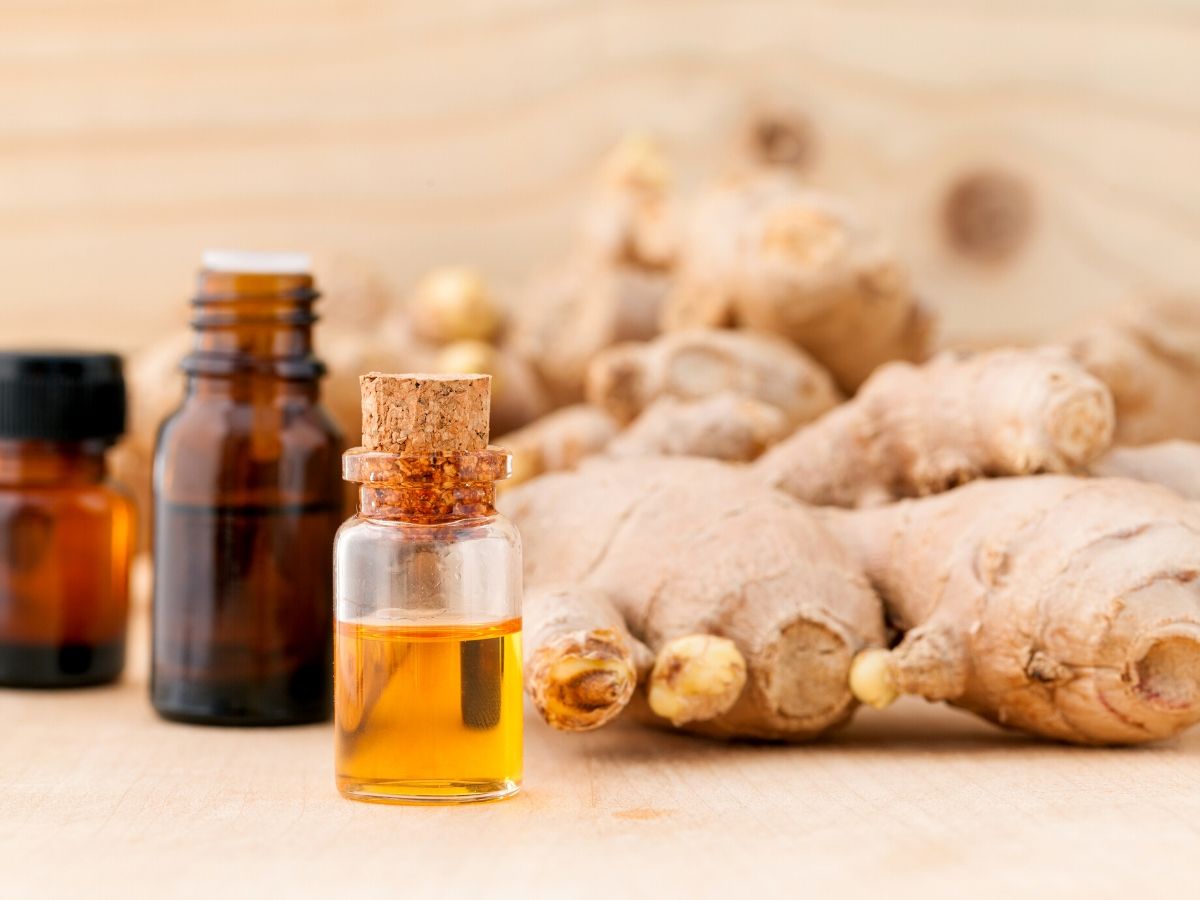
<point>637,162</point>
<point>696,678</point>
<point>468,357</point>
<point>452,304</point>
<point>871,679</point>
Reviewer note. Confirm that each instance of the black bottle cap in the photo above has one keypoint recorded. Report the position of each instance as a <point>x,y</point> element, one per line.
<point>61,396</point>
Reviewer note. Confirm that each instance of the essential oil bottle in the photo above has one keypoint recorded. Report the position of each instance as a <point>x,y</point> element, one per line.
<point>428,601</point>
<point>247,500</point>
<point>66,531</point>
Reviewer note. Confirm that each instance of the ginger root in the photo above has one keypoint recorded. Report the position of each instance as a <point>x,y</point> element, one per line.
<point>614,283</point>
<point>696,678</point>
<point>557,441</point>
<point>572,313</point>
<point>769,254</point>
<point>1064,607</point>
<point>454,303</point>
<point>630,220</point>
<point>581,663</point>
<point>693,365</point>
<point>724,426</point>
<point>915,430</point>
<point>1149,356</point>
<point>691,547</point>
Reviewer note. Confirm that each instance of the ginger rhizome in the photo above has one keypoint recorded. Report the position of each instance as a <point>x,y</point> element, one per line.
<point>769,254</point>
<point>453,303</point>
<point>614,281</point>
<point>752,611</point>
<point>558,441</point>
<point>915,430</point>
<point>724,426</point>
<point>1064,607</point>
<point>1149,356</point>
<point>696,364</point>
<point>582,663</point>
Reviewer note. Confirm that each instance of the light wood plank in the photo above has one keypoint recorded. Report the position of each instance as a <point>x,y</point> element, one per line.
<point>101,799</point>
<point>133,134</point>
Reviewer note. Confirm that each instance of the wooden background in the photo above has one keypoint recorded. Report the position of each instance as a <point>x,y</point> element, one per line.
<point>135,133</point>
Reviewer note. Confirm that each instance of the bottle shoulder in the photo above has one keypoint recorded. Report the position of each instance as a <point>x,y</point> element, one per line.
<point>484,528</point>
<point>214,420</point>
<point>103,499</point>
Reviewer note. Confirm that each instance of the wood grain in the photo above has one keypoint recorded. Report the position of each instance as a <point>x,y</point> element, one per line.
<point>133,134</point>
<point>99,799</point>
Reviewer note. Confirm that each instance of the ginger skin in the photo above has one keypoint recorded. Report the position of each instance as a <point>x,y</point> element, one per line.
<point>693,365</point>
<point>557,441</point>
<point>1064,607</point>
<point>572,313</point>
<point>769,254</point>
<point>916,430</point>
<point>723,426</point>
<point>692,547</point>
<point>1149,356</point>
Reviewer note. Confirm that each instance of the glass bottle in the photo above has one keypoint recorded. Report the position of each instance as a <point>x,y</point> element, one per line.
<point>66,531</point>
<point>247,500</point>
<point>428,602</point>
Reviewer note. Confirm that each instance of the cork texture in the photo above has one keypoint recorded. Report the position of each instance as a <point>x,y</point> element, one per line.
<point>425,413</point>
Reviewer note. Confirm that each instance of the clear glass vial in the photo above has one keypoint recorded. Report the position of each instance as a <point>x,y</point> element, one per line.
<point>428,693</point>
<point>66,531</point>
<point>247,500</point>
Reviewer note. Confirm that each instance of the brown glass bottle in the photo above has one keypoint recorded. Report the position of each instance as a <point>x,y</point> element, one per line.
<point>66,531</point>
<point>247,499</point>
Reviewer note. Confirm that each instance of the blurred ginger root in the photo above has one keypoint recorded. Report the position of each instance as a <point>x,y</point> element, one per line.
<point>1148,354</point>
<point>764,252</point>
<point>614,281</point>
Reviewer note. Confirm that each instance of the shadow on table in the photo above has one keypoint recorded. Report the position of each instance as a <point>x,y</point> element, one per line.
<point>911,727</point>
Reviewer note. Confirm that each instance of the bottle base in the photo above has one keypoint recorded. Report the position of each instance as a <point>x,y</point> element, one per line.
<point>238,703</point>
<point>60,665</point>
<point>427,792</point>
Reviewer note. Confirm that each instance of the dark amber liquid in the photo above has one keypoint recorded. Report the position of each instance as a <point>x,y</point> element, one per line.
<point>243,614</point>
<point>65,545</point>
<point>247,502</point>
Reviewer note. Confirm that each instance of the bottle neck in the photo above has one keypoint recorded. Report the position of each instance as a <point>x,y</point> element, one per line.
<point>28,463</point>
<point>429,488</point>
<point>252,387</point>
<point>427,503</point>
<point>254,324</point>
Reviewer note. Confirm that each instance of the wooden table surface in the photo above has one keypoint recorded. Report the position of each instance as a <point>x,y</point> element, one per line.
<point>99,798</point>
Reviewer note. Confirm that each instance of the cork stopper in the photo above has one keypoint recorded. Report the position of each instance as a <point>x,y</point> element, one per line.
<point>425,413</point>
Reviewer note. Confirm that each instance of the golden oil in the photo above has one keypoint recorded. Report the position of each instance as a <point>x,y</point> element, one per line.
<point>428,712</point>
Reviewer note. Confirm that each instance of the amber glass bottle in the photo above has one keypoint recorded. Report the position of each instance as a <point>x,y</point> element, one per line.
<point>66,532</point>
<point>247,499</point>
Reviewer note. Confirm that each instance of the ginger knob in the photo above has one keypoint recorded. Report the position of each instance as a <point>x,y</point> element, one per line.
<point>454,304</point>
<point>871,679</point>
<point>695,678</point>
